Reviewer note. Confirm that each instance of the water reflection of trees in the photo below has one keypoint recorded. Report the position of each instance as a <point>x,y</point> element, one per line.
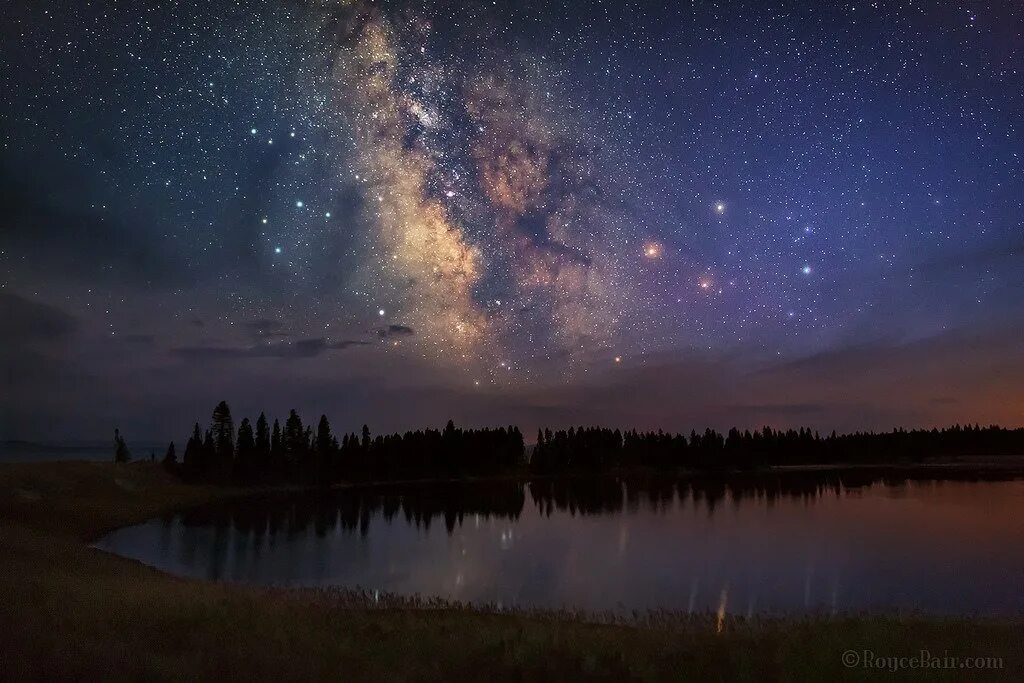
<point>349,510</point>
<point>421,504</point>
<point>609,495</point>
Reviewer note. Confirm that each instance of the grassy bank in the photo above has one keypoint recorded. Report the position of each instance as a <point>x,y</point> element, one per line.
<point>69,611</point>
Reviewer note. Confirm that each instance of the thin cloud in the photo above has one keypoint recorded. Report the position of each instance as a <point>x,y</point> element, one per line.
<point>395,331</point>
<point>304,348</point>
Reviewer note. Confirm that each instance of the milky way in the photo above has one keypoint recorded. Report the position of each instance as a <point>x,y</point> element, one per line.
<point>540,211</point>
<point>492,226</point>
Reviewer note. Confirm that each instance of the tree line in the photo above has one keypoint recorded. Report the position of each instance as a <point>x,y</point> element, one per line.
<point>299,452</point>
<point>597,448</point>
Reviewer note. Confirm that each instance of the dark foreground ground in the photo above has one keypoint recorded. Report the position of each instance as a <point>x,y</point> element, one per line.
<point>70,611</point>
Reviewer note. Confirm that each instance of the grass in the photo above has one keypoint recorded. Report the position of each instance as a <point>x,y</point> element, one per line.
<point>70,611</point>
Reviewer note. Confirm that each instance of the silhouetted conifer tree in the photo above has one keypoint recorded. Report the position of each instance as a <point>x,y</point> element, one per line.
<point>121,452</point>
<point>171,458</point>
<point>262,442</point>
<point>276,450</point>
<point>294,439</point>
<point>223,429</point>
<point>323,436</point>
<point>192,460</point>
<point>245,455</point>
<point>323,451</point>
<point>209,460</point>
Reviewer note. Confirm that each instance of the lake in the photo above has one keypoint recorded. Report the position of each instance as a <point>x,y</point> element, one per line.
<point>746,544</point>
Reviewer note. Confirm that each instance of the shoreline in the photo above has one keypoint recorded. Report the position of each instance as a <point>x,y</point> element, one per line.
<point>69,610</point>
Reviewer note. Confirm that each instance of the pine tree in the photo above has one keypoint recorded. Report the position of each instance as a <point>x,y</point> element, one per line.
<point>121,452</point>
<point>209,459</point>
<point>324,448</point>
<point>223,429</point>
<point>245,458</point>
<point>262,443</point>
<point>192,461</point>
<point>170,458</point>
<point>323,436</point>
<point>276,448</point>
<point>294,439</point>
<point>306,456</point>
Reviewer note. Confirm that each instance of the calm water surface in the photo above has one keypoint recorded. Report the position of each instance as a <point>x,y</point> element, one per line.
<point>780,543</point>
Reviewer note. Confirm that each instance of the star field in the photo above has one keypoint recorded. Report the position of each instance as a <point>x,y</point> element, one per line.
<point>490,197</point>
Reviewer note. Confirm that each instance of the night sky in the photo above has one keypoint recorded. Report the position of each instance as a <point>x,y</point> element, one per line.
<point>672,215</point>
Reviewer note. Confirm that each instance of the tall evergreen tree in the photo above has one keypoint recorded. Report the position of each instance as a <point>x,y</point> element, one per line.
<point>121,452</point>
<point>294,439</point>
<point>170,458</point>
<point>262,442</point>
<point>323,436</point>
<point>276,448</point>
<point>209,459</point>
<point>245,456</point>
<point>192,461</point>
<point>223,429</point>
<point>323,448</point>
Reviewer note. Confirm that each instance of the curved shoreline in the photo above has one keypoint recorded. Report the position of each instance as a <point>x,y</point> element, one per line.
<point>69,611</point>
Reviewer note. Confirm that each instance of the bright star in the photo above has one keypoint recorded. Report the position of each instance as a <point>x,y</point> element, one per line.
<point>719,208</point>
<point>381,312</point>
<point>652,250</point>
<point>277,250</point>
<point>299,204</point>
<point>806,270</point>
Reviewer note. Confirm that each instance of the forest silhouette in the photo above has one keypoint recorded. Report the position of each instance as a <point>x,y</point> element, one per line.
<point>299,453</point>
